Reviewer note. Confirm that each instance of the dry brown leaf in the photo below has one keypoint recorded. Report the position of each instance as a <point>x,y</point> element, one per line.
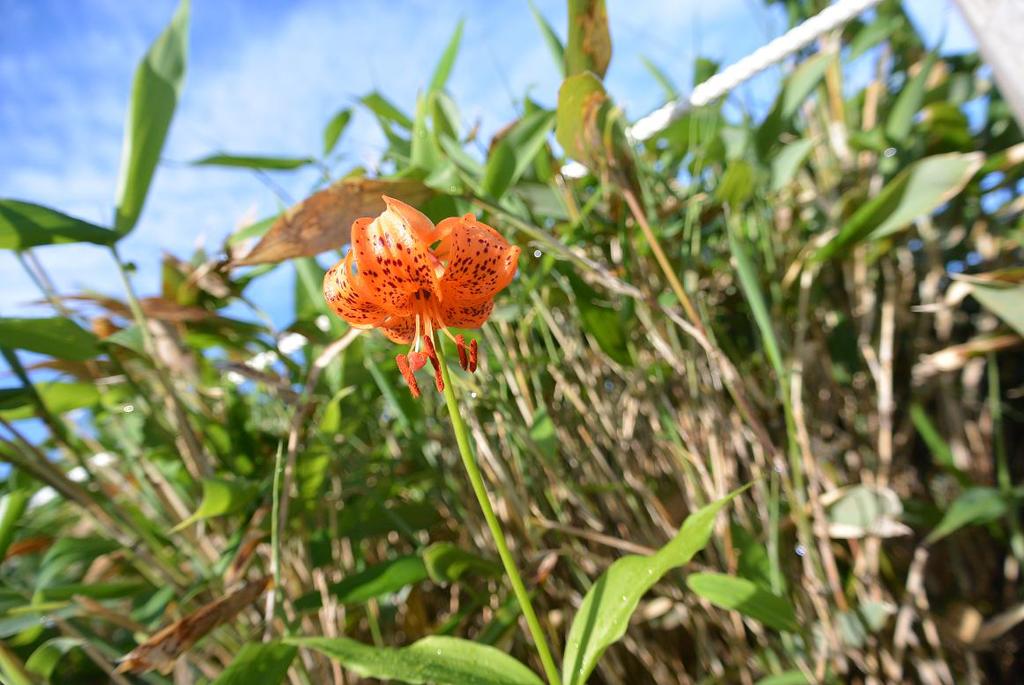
<point>166,310</point>
<point>323,220</point>
<point>954,358</point>
<point>164,648</point>
<point>28,546</point>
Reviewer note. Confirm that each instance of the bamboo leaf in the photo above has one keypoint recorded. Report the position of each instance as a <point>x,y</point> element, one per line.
<point>439,660</point>
<point>335,127</point>
<point>254,161</point>
<point>501,166</point>
<point>604,615</point>
<point>750,599</point>
<point>375,581</point>
<point>56,337</point>
<point>265,663</point>
<point>220,497</point>
<point>24,225</point>
<point>444,67</point>
<point>973,506</point>
<point>915,192</point>
<point>155,91</point>
<point>551,38</point>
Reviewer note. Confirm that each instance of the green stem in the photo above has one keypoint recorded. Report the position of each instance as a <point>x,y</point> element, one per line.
<point>477,481</point>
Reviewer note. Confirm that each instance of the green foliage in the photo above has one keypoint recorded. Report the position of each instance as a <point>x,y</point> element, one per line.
<point>220,497</point>
<point>57,337</point>
<point>611,601</point>
<point>916,192</point>
<point>265,663</point>
<point>155,92</point>
<point>254,161</point>
<point>750,599</point>
<point>438,660</point>
<point>974,506</point>
<point>24,225</point>
<point>335,127</point>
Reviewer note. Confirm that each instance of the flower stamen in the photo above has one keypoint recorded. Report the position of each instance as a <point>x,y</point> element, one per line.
<point>428,345</point>
<point>472,355</point>
<point>407,374</point>
<point>460,344</point>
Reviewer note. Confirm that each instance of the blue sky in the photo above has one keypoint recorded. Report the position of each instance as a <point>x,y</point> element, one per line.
<point>264,77</point>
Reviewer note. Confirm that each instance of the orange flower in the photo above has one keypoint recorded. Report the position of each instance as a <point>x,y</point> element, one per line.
<point>408,289</point>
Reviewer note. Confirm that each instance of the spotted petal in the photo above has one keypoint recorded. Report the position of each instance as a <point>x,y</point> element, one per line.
<point>480,262</point>
<point>400,329</point>
<point>393,260</point>
<point>348,297</point>
<point>466,316</point>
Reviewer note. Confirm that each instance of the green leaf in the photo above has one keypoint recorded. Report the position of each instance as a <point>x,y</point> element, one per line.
<point>46,657</point>
<point>916,191</point>
<point>386,111</point>
<point>220,497</point>
<point>335,127</point>
<point>528,137</point>
<point>786,678</point>
<point>603,323</point>
<point>669,88</point>
<point>542,432</point>
<point>66,552</point>
<point>798,86</point>
<point>12,506</point>
<point>501,165</point>
<point>754,564</point>
<point>590,44</point>
<point>751,285</point>
<point>56,337</point>
<point>737,184</point>
<point>439,660</point>
<point>12,670</point>
<point>446,563</point>
<point>254,161</point>
<point>551,38</point>
<point>973,506</point>
<point>129,338</point>
<point>802,82</point>
<point>371,518</point>
<point>256,229</point>
<point>444,66</point>
<point>579,99</point>
<point>375,581</point>
<point>265,663</point>
<point>112,590</point>
<point>787,162</point>
<point>24,225</point>
<point>426,153</point>
<point>590,129</point>
<point>59,398</point>
<point>155,92</point>
<point>309,297</point>
<point>900,119</point>
<point>870,35</point>
<point>937,445</point>
<point>746,597</point>
<point>608,605</point>
<point>1003,300</point>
